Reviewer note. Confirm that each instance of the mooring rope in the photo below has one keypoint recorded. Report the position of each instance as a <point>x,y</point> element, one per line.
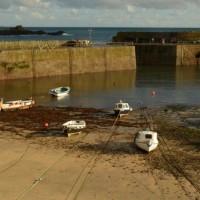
<point>36,182</point>
<point>45,173</point>
<point>90,160</point>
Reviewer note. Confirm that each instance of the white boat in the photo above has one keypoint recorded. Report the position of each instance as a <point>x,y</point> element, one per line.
<point>16,104</point>
<point>73,127</point>
<point>122,109</point>
<point>59,91</point>
<point>146,140</point>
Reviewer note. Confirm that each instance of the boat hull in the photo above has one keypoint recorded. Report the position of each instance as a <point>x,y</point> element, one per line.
<point>17,105</point>
<point>60,91</point>
<point>73,127</point>
<point>69,132</point>
<point>121,113</point>
<point>58,94</point>
<point>146,140</point>
<point>146,146</point>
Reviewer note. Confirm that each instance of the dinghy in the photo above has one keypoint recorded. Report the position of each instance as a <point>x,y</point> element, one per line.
<point>60,91</point>
<point>73,127</point>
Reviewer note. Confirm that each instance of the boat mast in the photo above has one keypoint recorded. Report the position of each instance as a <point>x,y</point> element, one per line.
<point>90,33</point>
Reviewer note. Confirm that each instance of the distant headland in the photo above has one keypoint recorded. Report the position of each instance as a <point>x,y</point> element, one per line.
<point>20,30</point>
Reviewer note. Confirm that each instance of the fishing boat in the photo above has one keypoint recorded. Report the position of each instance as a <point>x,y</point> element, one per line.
<point>146,140</point>
<point>60,91</point>
<point>122,109</point>
<point>73,127</point>
<point>16,104</point>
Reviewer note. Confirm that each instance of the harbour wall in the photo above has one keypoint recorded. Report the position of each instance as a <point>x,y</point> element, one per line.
<point>36,59</point>
<point>167,54</point>
<point>29,62</point>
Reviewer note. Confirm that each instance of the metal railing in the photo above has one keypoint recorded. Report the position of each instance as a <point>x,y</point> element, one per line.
<point>53,44</point>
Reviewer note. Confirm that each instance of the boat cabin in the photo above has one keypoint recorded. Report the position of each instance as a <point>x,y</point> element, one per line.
<point>122,105</point>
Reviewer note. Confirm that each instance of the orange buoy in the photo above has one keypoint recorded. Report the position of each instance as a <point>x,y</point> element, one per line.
<point>46,125</point>
<point>153,93</point>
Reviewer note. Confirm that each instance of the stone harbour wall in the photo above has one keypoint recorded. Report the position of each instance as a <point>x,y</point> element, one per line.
<point>38,62</point>
<point>188,55</point>
<point>167,54</point>
<point>156,55</point>
<point>31,60</point>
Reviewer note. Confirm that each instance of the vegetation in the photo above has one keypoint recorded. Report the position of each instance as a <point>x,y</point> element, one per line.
<point>12,66</point>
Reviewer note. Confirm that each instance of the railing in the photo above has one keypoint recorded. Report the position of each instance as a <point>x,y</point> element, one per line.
<point>14,45</point>
<point>52,44</point>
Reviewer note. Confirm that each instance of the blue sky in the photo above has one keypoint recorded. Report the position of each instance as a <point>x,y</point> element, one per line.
<point>100,13</point>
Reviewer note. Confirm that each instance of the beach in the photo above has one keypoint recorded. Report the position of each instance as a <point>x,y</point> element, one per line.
<point>102,162</point>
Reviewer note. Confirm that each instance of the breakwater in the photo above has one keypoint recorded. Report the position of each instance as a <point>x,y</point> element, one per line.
<point>49,58</point>
<point>31,60</point>
<point>167,54</point>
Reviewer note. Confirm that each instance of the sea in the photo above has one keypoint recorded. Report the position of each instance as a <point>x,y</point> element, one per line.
<point>98,35</point>
<point>145,86</point>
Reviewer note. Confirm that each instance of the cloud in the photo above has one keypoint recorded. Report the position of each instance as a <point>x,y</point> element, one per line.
<point>52,18</point>
<point>122,4</point>
<point>37,15</point>
<point>33,3</point>
<point>6,4</point>
<point>130,8</point>
<point>75,10</point>
<point>100,4</point>
<point>22,8</point>
<point>18,17</point>
<point>100,12</point>
<point>91,4</point>
<point>162,4</point>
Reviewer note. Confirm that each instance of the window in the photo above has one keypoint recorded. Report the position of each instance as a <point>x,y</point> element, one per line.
<point>148,136</point>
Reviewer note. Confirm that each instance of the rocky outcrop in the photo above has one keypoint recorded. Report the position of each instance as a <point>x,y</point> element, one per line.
<point>19,30</point>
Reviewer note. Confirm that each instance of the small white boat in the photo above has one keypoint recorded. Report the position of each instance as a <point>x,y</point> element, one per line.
<point>146,140</point>
<point>16,104</point>
<point>122,109</point>
<point>73,127</point>
<point>60,91</point>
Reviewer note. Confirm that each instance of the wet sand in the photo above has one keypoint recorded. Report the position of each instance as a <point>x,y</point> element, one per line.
<point>102,162</point>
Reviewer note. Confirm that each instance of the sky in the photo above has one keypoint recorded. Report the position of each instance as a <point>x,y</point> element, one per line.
<point>100,13</point>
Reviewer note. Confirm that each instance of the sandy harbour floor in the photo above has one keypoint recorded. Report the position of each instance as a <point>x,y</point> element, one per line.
<point>102,162</point>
